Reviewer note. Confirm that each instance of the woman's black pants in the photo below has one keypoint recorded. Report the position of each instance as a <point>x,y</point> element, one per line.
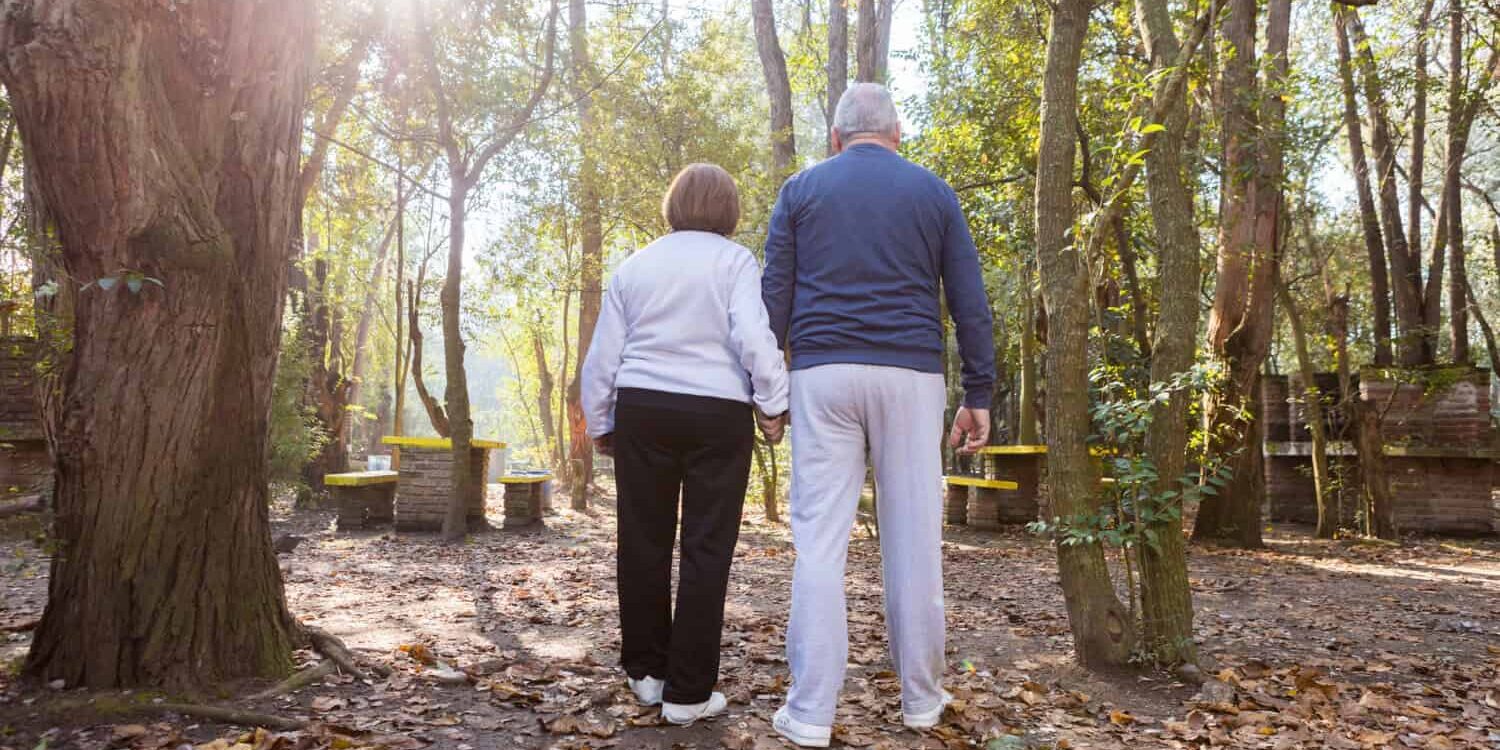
<point>669,445</point>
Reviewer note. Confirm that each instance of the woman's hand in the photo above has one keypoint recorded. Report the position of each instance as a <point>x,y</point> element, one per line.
<point>604,445</point>
<point>773,428</point>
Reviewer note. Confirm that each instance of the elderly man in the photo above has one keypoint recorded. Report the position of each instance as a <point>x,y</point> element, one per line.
<point>859,246</point>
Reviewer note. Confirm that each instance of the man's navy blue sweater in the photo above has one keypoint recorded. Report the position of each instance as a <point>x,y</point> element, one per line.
<point>858,248</point>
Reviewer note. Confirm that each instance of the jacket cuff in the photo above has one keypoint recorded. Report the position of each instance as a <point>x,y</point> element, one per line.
<point>978,398</point>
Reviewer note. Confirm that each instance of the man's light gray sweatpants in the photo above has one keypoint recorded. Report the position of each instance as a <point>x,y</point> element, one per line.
<point>837,411</point>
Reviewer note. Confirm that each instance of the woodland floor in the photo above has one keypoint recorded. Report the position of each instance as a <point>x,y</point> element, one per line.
<point>1310,644</point>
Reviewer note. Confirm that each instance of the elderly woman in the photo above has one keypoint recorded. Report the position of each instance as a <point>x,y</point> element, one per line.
<point>682,354</point>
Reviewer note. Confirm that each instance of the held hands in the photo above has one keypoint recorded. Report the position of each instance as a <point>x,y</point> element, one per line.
<point>773,428</point>
<point>604,445</point>
<point>971,430</point>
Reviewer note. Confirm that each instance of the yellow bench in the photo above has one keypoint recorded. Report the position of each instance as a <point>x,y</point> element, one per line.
<point>363,496</point>
<point>528,496</point>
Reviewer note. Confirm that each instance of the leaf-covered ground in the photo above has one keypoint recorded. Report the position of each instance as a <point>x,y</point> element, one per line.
<point>509,641</point>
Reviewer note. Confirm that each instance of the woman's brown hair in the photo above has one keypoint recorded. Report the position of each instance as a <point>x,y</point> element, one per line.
<point>702,198</point>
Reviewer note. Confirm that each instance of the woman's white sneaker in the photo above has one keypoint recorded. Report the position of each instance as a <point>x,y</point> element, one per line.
<point>801,734</point>
<point>927,719</point>
<point>647,690</point>
<point>683,714</point>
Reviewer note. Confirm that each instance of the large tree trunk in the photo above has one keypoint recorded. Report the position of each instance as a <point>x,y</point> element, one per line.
<point>1380,293</point>
<point>1166,598</point>
<point>778,86</point>
<point>164,573</point>
<point>591,266</point>
<point>1406,266</point>
<point>1240,323</point>
<point>1102,630</point>
<point>838,60</point>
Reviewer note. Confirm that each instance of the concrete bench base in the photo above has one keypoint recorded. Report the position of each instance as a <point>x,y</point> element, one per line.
<point>527,497</point>
<point>990,508</point>
<point>363,497</point>
<point>956,505</point>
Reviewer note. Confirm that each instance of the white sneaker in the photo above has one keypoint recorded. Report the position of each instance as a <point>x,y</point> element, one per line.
<point>647,690</point>
<point>683,714</point>
<point>801,734</point>
<point>927,719</point>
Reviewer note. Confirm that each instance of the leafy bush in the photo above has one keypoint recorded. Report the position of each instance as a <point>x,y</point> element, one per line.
<point>296,435</point>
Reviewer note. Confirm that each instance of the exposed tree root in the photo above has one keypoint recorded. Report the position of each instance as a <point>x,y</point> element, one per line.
<point>330,646</point>
<point>223,715</point>
<point>299,680</point>
<point>29,505</point>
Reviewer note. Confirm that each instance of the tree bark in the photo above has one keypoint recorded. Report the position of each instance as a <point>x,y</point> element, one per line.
<point>1405,264</point>
<point>546,384</point>
<point>872,40</point>
<point>1240,322</point>
<point>164,574</point>
<point>838,61</point>
<point>1312,401</point>
<point>1380,521</point>
<point>591,266</point>
<point>1102,630</point>
<point>1380,293</point>
<point>1458,144</point>
<point>1418,148</point>
<point>436,415</point>
<point>778,86</point>
<point>1166,598</point>
<point>1027,432</point>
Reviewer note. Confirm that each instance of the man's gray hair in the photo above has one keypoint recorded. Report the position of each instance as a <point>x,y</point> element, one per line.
<point>866,109</point>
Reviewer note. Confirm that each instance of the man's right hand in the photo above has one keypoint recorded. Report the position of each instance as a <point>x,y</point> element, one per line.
<point>971,430</point>
<point>773,428</point>
<point>604,445</point>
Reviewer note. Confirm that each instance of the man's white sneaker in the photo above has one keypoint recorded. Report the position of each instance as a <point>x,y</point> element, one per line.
<point>647,690</point>
<point>801,734</point>
<point>927,719</point>
<point>683,714</point>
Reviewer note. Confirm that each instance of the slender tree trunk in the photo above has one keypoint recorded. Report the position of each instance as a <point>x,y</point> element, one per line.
<point>778,86</point>
<point>1312,401</point>
<point>436,415</point>
<point>1418,134</point>
<point>1102,629</point>
<point>1380,293</point>
<point>399,346</point>
<point>1027,433</point>
<point>838,60</point>
<point>872,40</point>
<point>546,385</point>
<point>1375,483</point>
<point>164,573</point>
<point>456,389</point>
<point>1406,270</point>
<point>591,267</point>
<point>1166,598</point>
<point>1458,143</point>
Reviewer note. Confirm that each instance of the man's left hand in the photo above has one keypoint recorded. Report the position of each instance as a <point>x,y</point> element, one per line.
<point>971,430</point>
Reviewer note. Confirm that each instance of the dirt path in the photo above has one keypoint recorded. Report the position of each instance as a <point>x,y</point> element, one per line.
<point>1318,644</point>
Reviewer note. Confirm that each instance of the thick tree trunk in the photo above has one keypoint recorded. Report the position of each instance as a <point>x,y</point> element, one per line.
<point>591,266</point>
<point>1380,293</point>
<point>1102,630</point>
<point>1240,324</point>
<point>1166,598</point>
<point>1406,267</point>
<point>778,86</point>
<point>164,574</point>
<point>838,60</point>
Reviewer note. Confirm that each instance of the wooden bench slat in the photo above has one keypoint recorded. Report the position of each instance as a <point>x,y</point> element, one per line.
<point>992,484</point>
<point>1013,450</point>
<point>438,443</point>
<point>360,478</point>
<point>526,478</point>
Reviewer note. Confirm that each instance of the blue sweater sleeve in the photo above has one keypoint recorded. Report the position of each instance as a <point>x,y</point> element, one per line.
<point>779,281</point>
<point>963,283</point>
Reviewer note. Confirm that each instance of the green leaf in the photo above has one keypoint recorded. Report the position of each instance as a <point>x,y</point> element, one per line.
<point>1154,127</point>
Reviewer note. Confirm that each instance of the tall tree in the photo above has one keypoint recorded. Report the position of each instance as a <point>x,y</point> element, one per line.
<point>778,86</point>
<point>1369,217</point>
<point>1459,123</point>
<point>838,61</point>
<point>1240,322</point>
<point>468,156</point>
<point>1166,599</point>
<point>164,573</point>
<point>1102,630</point>
<point>591,265</point>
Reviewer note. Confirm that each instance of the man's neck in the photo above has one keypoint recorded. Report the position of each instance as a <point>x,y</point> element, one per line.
<point>871,141</point>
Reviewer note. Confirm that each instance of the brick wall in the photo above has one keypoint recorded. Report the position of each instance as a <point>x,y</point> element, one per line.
<point>19,417</point>
<point>426,483</point>
<point>1458,415</point>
